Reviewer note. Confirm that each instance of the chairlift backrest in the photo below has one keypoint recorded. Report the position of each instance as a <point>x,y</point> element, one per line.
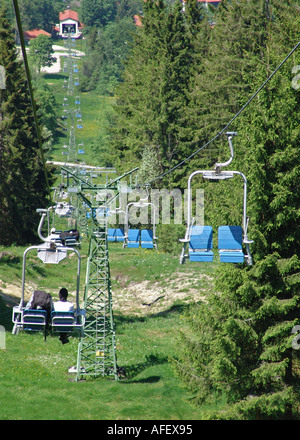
<point>201,237</point>
<point>119,234</point>
<point>230,237</point>
<point>133,239</point>
<point>146,235</point>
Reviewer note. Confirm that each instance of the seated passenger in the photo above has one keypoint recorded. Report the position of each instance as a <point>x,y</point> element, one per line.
<point>63,306</point>
<point>40,300</point>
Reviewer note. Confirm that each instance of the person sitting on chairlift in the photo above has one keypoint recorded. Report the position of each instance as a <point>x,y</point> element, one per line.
<point>63,305</point>
<point>41,300</point>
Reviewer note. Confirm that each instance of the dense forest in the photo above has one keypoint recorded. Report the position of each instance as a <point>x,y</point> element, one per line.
<point>178,79</point>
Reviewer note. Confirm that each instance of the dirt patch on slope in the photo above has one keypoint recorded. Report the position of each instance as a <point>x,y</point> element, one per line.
<point>147,297</point>
<point>136,298</point>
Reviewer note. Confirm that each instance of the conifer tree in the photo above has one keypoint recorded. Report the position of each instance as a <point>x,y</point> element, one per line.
<point>22,181</point>
<point>154,94</point>
<point>241,343</point>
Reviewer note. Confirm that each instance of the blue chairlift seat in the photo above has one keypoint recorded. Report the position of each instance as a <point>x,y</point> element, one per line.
<point>230,244</point>
<point>119,234</point>
<point>34,320</point>
<point>111,234</point>
<point>201,243</point>
<point>62,322</point>
<point>79,126</point>
<point>147,239</point>
<point>133,240</point>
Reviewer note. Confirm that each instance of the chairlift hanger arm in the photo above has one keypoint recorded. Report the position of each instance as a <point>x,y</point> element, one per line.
<point>215,173</point>
<point>230,135</point>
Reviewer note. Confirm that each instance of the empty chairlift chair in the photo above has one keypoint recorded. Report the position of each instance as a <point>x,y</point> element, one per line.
<point>147,239</point>
<point>119,234</point>
<point>230,244</point>
<point>133,240</point>
<point>201,243</point>
<point>111,234</point>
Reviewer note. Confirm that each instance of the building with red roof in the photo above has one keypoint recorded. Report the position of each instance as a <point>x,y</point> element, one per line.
<point>30,35</point>
<point>69,22</point>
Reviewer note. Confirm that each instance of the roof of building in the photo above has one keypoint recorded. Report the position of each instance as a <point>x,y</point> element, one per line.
<point>35,33</point>
<point>68,14</point>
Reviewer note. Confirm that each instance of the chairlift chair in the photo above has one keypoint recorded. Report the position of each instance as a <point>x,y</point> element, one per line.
<point>133,238</point>
<point>111,234</point>
<point>147,236</point>
<point>50,251</point>
<point>147,239</point>
<point>119,234</point>
<point>230,240</point>
<point>201,243</point>
<point>219,174</point>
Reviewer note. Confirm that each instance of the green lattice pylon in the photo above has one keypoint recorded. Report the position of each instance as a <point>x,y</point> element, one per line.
<point>97,349</point>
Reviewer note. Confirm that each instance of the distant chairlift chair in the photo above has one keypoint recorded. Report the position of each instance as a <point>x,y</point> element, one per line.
<point>119,234</point>
<point>147,240</point>
<point>133,236</point>
<point>111,234</point>
<point>133,240</point>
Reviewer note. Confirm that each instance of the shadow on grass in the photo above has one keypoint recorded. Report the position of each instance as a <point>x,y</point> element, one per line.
<point>132,371</point>
<point>150,379</point>
<point>120,319</point>
<point>55,76</point>
<point>6,313</point>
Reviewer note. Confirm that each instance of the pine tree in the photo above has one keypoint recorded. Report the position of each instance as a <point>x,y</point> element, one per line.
<point>22,181</point>
<point>241,337</point>
<point>98,13</point>
<point>154,94</point>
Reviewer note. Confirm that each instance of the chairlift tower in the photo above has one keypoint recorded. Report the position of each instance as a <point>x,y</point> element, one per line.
<point>97,350</point>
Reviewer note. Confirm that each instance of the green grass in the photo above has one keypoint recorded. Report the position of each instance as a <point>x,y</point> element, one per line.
<point>92,107</point>
<point>34,379</point>
<point>34,383</point>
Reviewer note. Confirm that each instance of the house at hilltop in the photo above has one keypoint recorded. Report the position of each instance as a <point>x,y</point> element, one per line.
<point>69,22</point>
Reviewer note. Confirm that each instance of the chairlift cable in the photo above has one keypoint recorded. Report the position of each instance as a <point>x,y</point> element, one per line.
<point>231,121</point>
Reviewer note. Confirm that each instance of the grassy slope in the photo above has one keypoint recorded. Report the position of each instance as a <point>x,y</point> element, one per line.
<point>34,373</point>
<point>91,106</point>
